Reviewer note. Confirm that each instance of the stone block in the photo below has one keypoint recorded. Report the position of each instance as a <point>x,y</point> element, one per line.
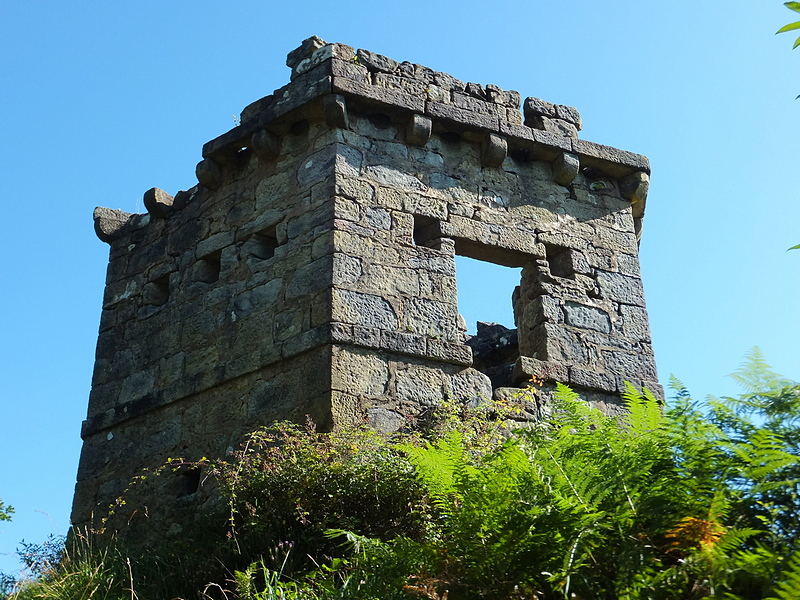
<point>536,107</point>
<point>418,131</point>
<point>376,62</point>
<point>455,353</point>
<point>569,114</point>
<point>613,161</point>
<point>369,337</point>
<point>265,144</point>
<point>359,372</point>
<point>209,173</point>
<point>565,168</point>
<point>363,309</point>
<point>158,203</point>
<point>620,288</point>
<point>420,385</point>
<point>304,51</point>
<point>472,103</point>
<point>337,159</point>
<point>404,343</point>
<point>494,150</point>
<point>587,378</point>
<point>587,317</point>
<point>109,223</point>
<point>335,111</point>
<point>530,369</point>
<point>470,387</point>
<point>378,95</point>
<point>460,117</point>
<point>350,70</point>
<point>395,82</point>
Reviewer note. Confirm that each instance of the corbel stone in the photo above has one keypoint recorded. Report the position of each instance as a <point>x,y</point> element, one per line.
<point>419,130</point>
<point>565,168</point>
<point>158,202</point>
<point>109,223</point>
<point>335,110</point>
<point>209,174</point>
<point>265,144</point>
<point>634,187</point>
<point>494,151</point>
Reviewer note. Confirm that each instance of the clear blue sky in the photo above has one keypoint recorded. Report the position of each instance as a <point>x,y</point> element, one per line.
<point>103,100</point>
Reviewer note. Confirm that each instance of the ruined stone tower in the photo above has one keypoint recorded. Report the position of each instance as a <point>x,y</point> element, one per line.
<point>311,270</point>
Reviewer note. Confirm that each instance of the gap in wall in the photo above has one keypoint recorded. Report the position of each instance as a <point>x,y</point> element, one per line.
<point>484,292</point>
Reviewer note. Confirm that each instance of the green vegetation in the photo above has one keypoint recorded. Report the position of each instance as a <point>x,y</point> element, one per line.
<point>5,512</point>
<point>795,6</point>
<point>691,501</point>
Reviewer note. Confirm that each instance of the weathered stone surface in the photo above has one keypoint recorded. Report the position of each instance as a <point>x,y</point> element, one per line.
<point>459,116</point>
<point>305,50</point>
<point>620,288</point>
<point>494,150</point>
<point>265,144</point>
<point>419,130</point>
<point>376,62</point>
<point>335,111</point>
<point>565,168</point>
<point>109,223</point>
<point>379,95</point>
<point>634,187</point>
<point>569,114</point>
<point>158,202</point>
<point>209,174</point>
<point>312,271</point>
<point>586,317</point>
<point>536,107</point>
<point>527,369</point>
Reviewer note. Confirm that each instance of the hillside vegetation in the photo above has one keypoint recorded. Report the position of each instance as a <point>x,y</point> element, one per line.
<point>695,500</point>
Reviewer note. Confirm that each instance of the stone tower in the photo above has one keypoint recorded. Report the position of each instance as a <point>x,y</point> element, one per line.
<point>311,270</point>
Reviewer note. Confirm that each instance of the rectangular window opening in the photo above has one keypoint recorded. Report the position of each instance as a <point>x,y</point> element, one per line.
<point>208,268</point>
<point>559,258</point>
<point>262,245</point>
<point>426,231</point>
<point>485,301</point>
<point>157,291</point>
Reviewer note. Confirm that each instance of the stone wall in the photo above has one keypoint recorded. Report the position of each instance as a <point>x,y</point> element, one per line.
<point>311,270</point>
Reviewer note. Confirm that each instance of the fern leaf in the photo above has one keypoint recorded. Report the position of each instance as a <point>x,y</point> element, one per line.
<point>789,581</point>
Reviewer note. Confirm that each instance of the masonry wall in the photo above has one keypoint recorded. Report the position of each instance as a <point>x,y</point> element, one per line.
<point>311,270</point>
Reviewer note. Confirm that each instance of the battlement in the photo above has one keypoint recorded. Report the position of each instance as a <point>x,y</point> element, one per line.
<point>310,271</point>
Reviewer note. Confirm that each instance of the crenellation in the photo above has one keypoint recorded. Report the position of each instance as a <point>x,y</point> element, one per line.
<point>311,270</point>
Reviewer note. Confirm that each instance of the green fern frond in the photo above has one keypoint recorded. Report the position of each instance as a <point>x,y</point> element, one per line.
<point>755,375</point>
<point>788,580</point>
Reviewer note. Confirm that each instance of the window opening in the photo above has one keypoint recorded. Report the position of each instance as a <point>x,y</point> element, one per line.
<point>209,267</point>
<point>189,482</point>
<point>299,127</point>
<point>157,292</point>
<point>560,260</point>
<point>485,293</point>
<point>426,230</point>
<point>262,245</point>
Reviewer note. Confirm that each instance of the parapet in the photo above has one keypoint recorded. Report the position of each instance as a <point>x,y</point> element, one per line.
<point>310,272</point>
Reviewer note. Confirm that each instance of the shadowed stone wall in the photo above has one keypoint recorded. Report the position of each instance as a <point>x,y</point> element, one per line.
<point>311,270</point>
